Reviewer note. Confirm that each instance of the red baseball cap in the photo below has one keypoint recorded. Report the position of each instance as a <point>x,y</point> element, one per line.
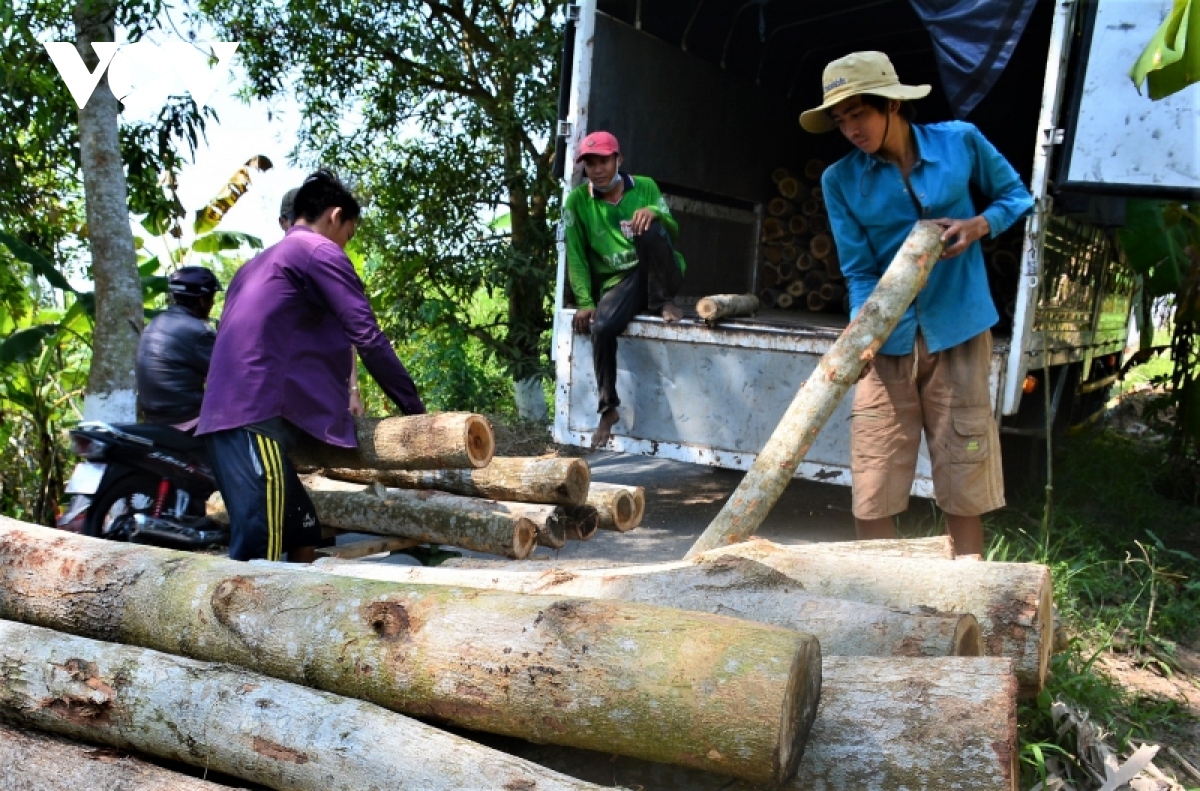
<point>599,143</point>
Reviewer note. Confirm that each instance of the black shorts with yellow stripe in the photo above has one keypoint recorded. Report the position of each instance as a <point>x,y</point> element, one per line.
<point>269,511</point>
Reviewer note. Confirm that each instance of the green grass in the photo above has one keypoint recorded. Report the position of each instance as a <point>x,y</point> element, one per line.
<point>1126,579</point>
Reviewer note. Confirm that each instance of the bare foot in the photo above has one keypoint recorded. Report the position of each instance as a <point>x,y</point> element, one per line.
<point>671,312</point>
<point>604,431</point>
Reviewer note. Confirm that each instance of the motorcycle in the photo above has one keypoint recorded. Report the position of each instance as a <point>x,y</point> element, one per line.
<point>143,483</point>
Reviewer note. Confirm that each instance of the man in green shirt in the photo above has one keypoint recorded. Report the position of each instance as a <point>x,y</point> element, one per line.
<point>621,260</point>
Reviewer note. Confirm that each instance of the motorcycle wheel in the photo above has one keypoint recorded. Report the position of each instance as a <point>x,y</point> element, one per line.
<point>111,513</point>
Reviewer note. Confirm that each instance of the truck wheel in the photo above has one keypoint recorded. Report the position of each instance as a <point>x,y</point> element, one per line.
<point>111,513</point>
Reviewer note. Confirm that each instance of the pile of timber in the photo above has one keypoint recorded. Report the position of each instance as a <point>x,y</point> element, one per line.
<point>433,479</point>
<point>799,268</point>
<point>873,665</point>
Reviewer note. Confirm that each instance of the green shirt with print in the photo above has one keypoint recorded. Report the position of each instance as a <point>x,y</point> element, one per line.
<point>599,254</point>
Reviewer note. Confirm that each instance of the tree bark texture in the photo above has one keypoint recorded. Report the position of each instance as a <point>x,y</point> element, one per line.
<point>884,724</point>
<point>236,722</point>
<point>736,587</point>
<point>440,440</point>
<point>723,306</point>
<point>550,480</point>
<point>432,517</point>
<point>112,386</point>
<point>35,761</point>
<point>621,507</point>
<point>667,685</point>
<point>1013,602</point>
<point>837,371</point>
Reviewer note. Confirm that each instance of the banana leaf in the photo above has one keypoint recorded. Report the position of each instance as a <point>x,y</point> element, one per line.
<point>41,265</point>
<point>225,240</point>
<point>1171,61</point>
<point>24,345</point>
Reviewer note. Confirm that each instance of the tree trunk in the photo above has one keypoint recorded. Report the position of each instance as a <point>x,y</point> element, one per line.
<point>1013,601</point>
<point>547,479</point>
<point>530,397</point>
<point>667,685</point>
<point>621,507</point>
<point>440,440</point>
<point>35,761</point>
<point>819,396</point>
<point>723,306</point>
<point>236,722</point>
<point>736,587</point>
<point>884,724</point>
<point>431,517</point>
<point>112,386</point>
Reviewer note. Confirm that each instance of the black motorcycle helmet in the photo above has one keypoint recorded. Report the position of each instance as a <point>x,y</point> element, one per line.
<point>193,281</point>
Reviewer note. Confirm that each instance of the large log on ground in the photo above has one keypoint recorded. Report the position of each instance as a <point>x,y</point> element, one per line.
<point>884,724</point>
<point>36,761</point>
<point>838,369</point>
<point>440,440</point>
<point>431,517</point>
<point>545,479</point>
<point>736,586</point>
<point>723,306</point>
<point>236,722</point>
<point>1012,601</point>
<point>667,685</point>
<point>621,507</point>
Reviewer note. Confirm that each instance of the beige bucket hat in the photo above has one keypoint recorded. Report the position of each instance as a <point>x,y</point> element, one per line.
<point>857,73</point>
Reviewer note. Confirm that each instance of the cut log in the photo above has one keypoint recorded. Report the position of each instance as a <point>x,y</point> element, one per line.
<point>769,297</point>
<point>428,516</point>
<point>790,252</point>
<point>787,270</point>
<point>773,253</point>
<point>442,440</point>
<point>804,262</point>
<point>780,207</point>
<point>1012,601</point>
<point>938,547</point>
<point>738,587</point>
<point>236,722</point>
<point>797,288</point>
<point>789,187</point>
<point>621,507</point>
<point>35,761</point>
<point>813,170</point>
<point>810,207</point>
<point>663,684</point>
<point>768,276</point>
<point>797,224</point>
<point>772,229</point>
<point>814,301</point>
<point>884,724</point>
<point>365,547</point>
<point>779,174</point>
<point>581,522</point>
<point>832,293</point>
<point>819,196</point>
<point>821,245</point>
<point>521,479</point>
<point>784,301</point>
<point>838,369</point>
<point>724,306</point>
<point>833,268</point>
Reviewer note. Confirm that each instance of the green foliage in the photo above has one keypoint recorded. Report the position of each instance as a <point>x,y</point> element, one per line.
<point>444,114</point>
<point>1126,579</point>
<point>1168,62</point>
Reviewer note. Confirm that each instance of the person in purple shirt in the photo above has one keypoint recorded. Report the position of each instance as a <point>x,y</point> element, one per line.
<point>280,366</point>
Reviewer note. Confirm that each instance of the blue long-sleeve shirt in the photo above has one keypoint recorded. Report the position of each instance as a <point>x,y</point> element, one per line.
<point>871,212</point>
<point>283,350</point>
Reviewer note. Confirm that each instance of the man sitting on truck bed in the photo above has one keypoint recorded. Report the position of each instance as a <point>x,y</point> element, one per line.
<point>932,372</point>
<point>620,250</point>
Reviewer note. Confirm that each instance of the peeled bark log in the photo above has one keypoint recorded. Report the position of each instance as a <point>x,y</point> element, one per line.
<point>723,306</point>
<point>431,517</point>
<point>35,761</point>
<point>621,507</point>
<point>236,722</point>
<point>884,724</point>
<point>662,684</point>
<point>1012,601</point>
<point>519,479</point>
<point>442,440</point>
<point>737,587</point>
<point>938,547</point>
<point>823,390</point>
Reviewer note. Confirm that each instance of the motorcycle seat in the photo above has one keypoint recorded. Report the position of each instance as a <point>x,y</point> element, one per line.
<point>166,436</point>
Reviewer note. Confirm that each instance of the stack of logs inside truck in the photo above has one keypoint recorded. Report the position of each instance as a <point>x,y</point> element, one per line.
<point>390,486</point>
<point>799,268</point>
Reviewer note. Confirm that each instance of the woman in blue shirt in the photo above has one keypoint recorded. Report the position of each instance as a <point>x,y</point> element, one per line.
<point>931,374</point>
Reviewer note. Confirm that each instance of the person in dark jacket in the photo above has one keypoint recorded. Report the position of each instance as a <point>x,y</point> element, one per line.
<point>175,349</point>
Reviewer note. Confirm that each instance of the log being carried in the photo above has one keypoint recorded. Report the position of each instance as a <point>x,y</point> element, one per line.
<point>838,369</point>
<point>666,685</point>
<point>441,440</point>
<point>230,720</point>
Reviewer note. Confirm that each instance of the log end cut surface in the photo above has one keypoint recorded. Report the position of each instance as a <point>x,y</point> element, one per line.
<point>804,694</point>
<point>480,441</point>
<point>968,639</point>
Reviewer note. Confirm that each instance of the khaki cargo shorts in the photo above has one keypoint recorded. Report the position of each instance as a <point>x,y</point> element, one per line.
<point>946,395</point>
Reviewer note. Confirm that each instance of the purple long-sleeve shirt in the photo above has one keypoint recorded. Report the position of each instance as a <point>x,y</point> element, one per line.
<point>291,316</point>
